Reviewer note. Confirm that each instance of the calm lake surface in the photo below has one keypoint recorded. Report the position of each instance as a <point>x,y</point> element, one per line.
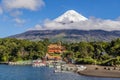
<point>43,73</point>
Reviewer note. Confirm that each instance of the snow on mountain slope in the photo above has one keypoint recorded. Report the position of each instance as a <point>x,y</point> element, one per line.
<point>70,16</point>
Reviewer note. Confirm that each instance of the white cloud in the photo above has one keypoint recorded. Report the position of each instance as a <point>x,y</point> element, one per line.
<point>19,21</point>
<point>91,24</point>
<point>1,10</point>
<point>23,4</point>
<point>37,27</point>
<point>14,8</point>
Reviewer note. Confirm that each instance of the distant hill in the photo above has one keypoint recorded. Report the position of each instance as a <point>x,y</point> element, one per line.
<point>69,35</point>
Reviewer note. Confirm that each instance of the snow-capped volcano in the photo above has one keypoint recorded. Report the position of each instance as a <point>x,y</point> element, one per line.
<point>70,16</point>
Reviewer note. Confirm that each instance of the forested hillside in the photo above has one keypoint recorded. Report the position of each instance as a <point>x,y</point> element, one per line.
<point>103,53</point>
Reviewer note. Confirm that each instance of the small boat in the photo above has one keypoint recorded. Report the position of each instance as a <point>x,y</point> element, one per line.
<point>38,64</point>
<point>61,71</point>
<point>81,67</point>
<point>56,70</point>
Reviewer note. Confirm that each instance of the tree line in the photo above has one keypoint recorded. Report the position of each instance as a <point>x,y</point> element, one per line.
<point>103,53</point>
<point>16,50</point>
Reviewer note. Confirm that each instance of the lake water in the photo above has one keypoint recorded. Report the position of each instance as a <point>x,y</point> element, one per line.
<point>43,73</point>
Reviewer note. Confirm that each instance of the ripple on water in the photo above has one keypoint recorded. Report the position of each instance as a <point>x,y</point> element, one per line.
<point>43,73</point>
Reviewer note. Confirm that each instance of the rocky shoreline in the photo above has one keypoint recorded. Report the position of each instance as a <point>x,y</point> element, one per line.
<point>101,71</point>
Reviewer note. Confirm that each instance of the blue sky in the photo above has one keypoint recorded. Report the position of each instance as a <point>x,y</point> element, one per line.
<point>17,16</point>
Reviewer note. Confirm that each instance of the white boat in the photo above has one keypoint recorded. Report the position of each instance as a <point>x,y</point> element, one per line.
<point>81,67</point>
<point>56,70</point>
<point>38,63</point>
<point>61,71</point>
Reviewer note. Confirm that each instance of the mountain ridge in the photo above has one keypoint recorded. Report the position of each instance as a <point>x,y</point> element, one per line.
<point>71,35</point>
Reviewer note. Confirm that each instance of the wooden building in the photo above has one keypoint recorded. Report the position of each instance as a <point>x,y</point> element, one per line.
<point>55,48</point>
<point>55,51</point>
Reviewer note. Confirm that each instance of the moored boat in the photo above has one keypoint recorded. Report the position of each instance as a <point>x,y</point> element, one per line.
<point>38,63</point>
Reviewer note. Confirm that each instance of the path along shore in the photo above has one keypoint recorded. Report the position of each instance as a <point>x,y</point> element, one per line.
<point>101,71</point>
